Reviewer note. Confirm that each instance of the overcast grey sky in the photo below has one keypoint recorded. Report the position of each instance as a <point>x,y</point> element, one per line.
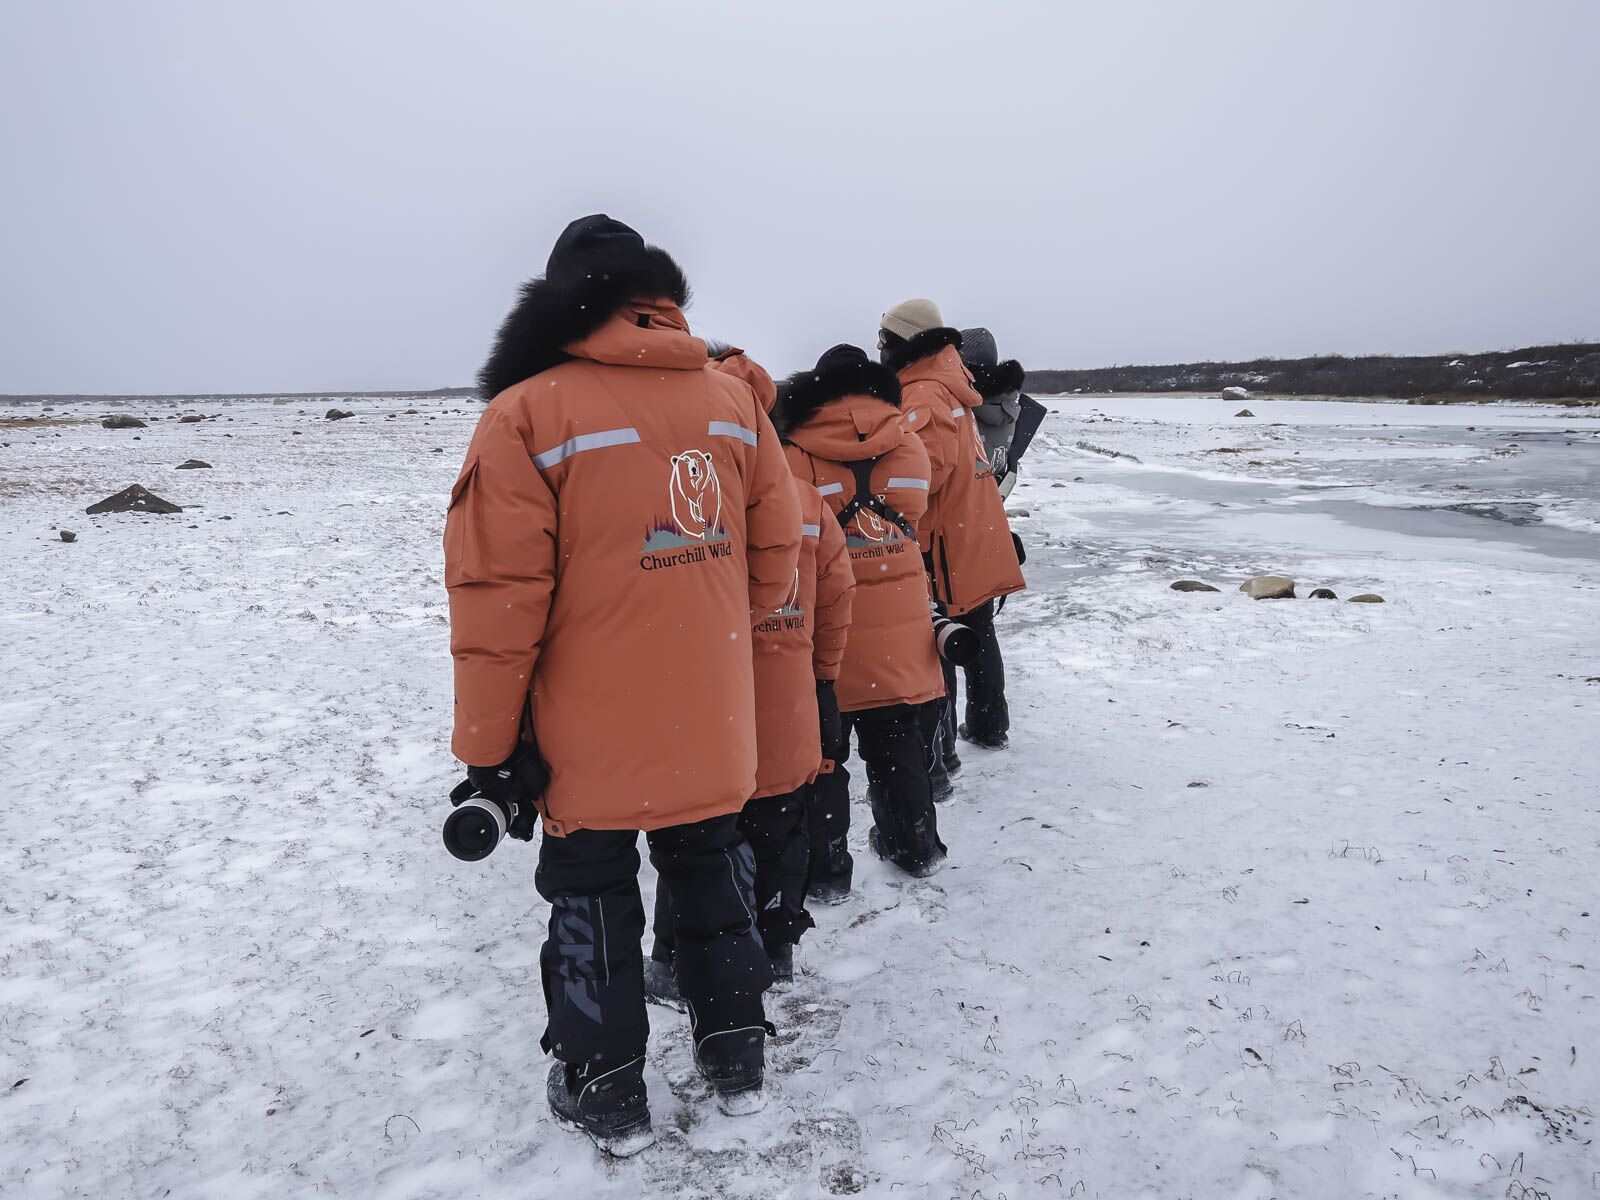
<point>214,196</point>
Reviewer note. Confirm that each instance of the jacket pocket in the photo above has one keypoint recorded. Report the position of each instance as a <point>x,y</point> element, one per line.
<point>457,525</point>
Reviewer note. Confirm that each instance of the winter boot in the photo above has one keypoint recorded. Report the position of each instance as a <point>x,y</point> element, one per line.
<point>827,892</point>
<point>661,985</point>
<point>608,1105</point>
<point>917,870</point>
<point>734,1064</point>
<point>989,741</point>
<point>781,956</point>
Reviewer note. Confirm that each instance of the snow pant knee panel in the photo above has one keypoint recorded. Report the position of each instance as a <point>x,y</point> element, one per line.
<point>775,827</point>
<point>591,964</point>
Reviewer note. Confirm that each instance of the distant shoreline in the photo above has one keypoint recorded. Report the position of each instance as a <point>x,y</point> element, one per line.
<point>1566,376</point>
<point>1563,375</point>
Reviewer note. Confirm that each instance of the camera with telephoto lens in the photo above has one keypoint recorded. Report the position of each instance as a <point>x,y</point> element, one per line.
<point>476,824</point>
<point>958,645</point>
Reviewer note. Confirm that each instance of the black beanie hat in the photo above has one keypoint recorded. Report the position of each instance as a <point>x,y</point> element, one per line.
<point>588,237</point>
<point>841,356</point>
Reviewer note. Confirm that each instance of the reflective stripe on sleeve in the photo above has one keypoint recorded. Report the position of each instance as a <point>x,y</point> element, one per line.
<point>728,429</point>
<point>907,481</point>
<point>811,531</point>
<point>585,441</point>
<point>830,489</point>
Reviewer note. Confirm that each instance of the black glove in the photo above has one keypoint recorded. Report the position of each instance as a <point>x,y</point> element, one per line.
<point>515,784</point>
<point>1022,553</point>
<point>832,723</point>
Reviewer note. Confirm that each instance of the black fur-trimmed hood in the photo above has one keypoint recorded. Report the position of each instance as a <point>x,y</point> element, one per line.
<point>901,353</point>
<point>571,301</point>
<point>805,393</point>
<point>999,379</point>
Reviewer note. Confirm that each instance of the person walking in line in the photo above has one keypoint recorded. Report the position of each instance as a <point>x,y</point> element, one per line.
<point>797,651</point>
<point>987,719</point>
<point>623,516</point>
<point>1000,385</point>
<point>841,423</point>
<point>970,555</point>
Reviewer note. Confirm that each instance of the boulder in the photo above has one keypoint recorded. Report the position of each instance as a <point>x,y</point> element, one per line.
<point>122,421</point>
<point>68,536</point>
<point>1268,587</point>
<point>1322,594</point>
<point>1244,412</point>
<point>1367,598</point>
<point>1192,585</point>
<point>193,464</point>
<point>337,414</point>
<point>1235,393</point>
<point>133,499</point>
<point>190,419</point>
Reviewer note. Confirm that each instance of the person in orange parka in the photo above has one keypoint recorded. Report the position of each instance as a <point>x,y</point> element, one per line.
<point>970,554</point>
<point>623,515</point>
<point>797,651</point>
<point>842,425</point>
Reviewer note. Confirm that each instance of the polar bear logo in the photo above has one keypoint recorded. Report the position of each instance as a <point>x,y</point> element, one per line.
<point>871,527</point>
<point>696,495</point>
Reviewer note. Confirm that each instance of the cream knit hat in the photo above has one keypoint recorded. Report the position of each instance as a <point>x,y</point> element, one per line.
<point>911,317</point>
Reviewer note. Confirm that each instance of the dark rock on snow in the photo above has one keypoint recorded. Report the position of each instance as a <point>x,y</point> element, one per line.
<point>122,421</point>
<point>193,464</point>
<point>68,536</point>
<point>133,499</point>
<point>1192,585</point>
<point>190,419</point>
<point>337,414</point>
<point>1322,594</point>
<point>1244,412</point>
<point>1367,598</point>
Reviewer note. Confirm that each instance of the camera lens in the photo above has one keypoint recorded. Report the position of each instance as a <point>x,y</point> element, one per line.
<point>957,644</point>
<point>473,830</point>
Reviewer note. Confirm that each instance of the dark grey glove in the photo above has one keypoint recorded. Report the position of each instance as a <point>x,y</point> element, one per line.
<point>832,721</point>
<point>515,785</point>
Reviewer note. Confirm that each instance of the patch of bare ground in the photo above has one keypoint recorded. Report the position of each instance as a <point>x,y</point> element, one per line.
<point>38,422</point>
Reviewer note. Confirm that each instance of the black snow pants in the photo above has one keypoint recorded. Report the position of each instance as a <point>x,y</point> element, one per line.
<point>775,827</point>
<point>987,716</point>
<point>593,964</point>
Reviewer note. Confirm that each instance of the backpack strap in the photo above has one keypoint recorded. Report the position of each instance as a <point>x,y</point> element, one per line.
<point>867,499</point>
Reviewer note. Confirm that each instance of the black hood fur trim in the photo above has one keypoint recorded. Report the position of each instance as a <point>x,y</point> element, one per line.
<point>999,379</point>
<point>555,311</point>
<point>900,353</point>
<point>806,393</point>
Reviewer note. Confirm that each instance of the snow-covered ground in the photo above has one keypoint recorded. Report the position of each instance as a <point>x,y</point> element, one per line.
<point>1290,898</point>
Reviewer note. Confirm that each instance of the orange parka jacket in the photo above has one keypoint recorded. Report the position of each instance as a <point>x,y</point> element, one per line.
<point>620,521</point>
<point>831,418</point>
<point>804,640</point>
<point>965,532</point>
